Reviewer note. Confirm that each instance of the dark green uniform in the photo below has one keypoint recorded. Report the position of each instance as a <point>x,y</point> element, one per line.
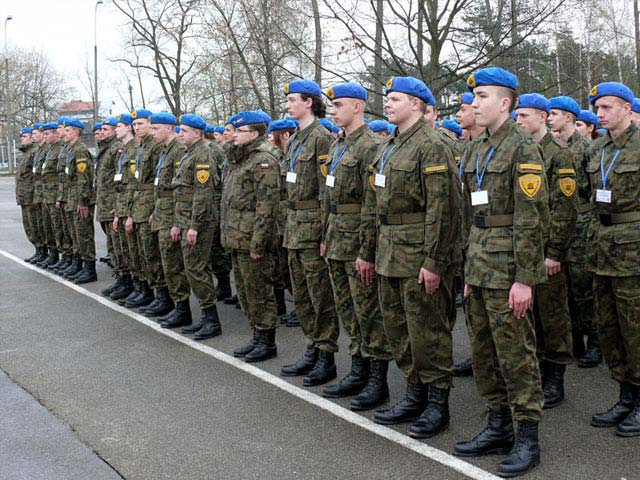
<point>106,164</point>
<point>24,194</point>
<point>82,193</point>
<point>50,181</point>
<point>67,221</point>
<point>122,179</point>
<point>220,260</point>
<point>38,197</point>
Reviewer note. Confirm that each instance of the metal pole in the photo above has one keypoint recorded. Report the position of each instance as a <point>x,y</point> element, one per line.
<point>95,62</point>
<point>6,90</point>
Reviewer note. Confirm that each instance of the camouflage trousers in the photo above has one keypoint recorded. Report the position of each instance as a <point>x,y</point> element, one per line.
<point>312,298</point>
<point>149,249</point>
<point>581,298</point>
<point>359,312</point>
<point>281,274</point>
<point>129,249</point>
<point>67,242</point>
<point>173,267</point>
<point>45,225</point>
<point>617,304</point>
<point>86,236</point>
<point>29,223</point>
<point>503,349</point>
<point>220,260</point>
<point>418,327</point>
<point>553,321</point>
<point>113,246</point>
<point>254,282</point>
<point>197,266</point>
<point>68,217</point>
<point>54,217</point>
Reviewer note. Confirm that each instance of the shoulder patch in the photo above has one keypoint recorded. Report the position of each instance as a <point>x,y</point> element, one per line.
<point>81,160</point>
<point>567,185</point>
<point>264,166</point>
<point>566,171</point>
<point>323,157</point>
<point>203,176</point>
<point>530,184</point>
<point>530,166</point>
<point>435,168</point>
<point>203,165</point>
<point>324,170</point>
<point>370,167</point>
<point>82,167</point>
<point>372,182</point>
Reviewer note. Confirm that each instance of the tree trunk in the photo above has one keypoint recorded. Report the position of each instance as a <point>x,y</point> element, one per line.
<point>317,58</point>
<point>377,61</point>
<point>636,26</point>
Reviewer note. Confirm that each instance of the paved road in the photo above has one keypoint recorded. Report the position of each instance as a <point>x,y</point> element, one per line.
<point>154,407</point>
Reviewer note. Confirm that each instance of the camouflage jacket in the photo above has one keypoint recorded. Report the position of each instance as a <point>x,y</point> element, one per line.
<point>143,198</point>
<point>615,248</point>
<point>499,256</point>
<point>561,180</point>
<point>50,178</point>
<point>106,164</point>
<point>63,181</point>
<point>578,252</point>
<point>418,206</point>
<point>348,164</point>
<point>194,183</point>
<point>249,203</point>
<point>24,176</point>
<point>124,177</point>
<point>80,176</point>
<point>167,164</point>
<point>36,170</point>
<point>307,150</point>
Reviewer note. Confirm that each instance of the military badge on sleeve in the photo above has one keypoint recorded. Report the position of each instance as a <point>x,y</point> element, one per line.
<point>567,185</point>
<point>530,184</point>
<point>82,167</point>
<point>203,176</point>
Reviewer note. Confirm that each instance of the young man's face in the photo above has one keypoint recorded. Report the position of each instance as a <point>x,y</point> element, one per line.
<point>161,132</point>
<point>37,136</point>
<point>635,118</point>
<point>612,112</point>
<point>583,128</point>
<point>142,127</point>
<point>190,135</point>
<point>218,138</point>
<point>297,108</point>
<point>228,133</point>
<point>51,136</point>
<point>344,110</point>
<point>400,106</point>
<point>98,135</point>
<point>465,116</point>
<point>431,115</point>
<point>122,129</point>
<point>108,132</point>
<point>488,104</point>
<point>244,135</point>
<point>559,119</point>
<point>71,134</point>
<point>25,139</point>
<point>530,119</point>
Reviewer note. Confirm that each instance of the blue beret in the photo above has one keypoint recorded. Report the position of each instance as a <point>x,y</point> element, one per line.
<point>72,122</point>
<point>613,89</point>
<point>492,76</point>
<point>514,116</point>
<point>164,118</point>
<point>37,126</point>
<point>111,121</point>
<point>302,86</point>
<point>230,120</point>
<point>533,100</point>
<point>437,124</point>
<point>50,126</point>
<point>141,113</point>
<point>329,125</point>
<point>283,124</point>
<point>177,129</point>
<point>125,118</point>
<point>452,126</point>
<point>391,128</point>
<point>379,126</point>
<point>208,128</point>
<point>250,117</point>
<point>347,90</point>
<point>565,103</point>
<point>410,86</point>
<point>466,98</point>
<point>602,131</point>
<point>96,126</point>
<point>265,116</point>
<point>218,129</point>
<point>61,120</point>
<point>26,130</point>
<point>635,106</point>
<point>588,116</point>
<point>194,121</point>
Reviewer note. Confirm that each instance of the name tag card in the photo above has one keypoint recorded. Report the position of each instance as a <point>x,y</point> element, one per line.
<point>117,177</point>
<point>603,196</point>
<point>331,181</point>
<point>137,175</point>
<point>380,180</point>
<point>156,182</point>
<point>66,171</point>
<point>480,198</point>
<point>291,177</point>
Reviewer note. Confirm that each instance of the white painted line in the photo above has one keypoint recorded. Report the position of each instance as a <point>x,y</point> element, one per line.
<point>420,448</point>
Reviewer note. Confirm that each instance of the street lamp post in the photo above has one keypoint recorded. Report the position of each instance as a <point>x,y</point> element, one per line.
<point>95,62</point>
<point>7,96</point>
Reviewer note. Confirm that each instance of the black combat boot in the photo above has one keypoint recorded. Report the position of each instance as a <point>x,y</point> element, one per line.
<point>266,347</point>
<point>407,409</point>
<point>435,417</point>
<point>210,324</point>
<point>377,390</point>
<point>35,254</point>
<point>630,427</point>
<point>59,264</point>
<point>124,289</point>
<point>111,288</point>
<point>293,320</point>
<point>578,342</point>
<point>142,300</point>
<point>74,268</point>
<point>353,383</point>
<point>161,305</point>
<point>41,255</point>
<point>281,305</point>
<point>593,356</point>
<point>554,385</point>
<point>50,259</point>
<point>525,453</point>
<point>323,371</point>
<point>303,365</point>
<point>621,410</point>
<point>497,437</point>
<point>135,293</point>
<point>178,317</point>
<point>242,352</point>
<point>88,273</point>
<point>463,369</point>
<point>223,289</point>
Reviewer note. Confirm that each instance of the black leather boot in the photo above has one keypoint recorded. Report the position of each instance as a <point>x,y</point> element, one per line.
<point>293,320</point>
<point>210,324</point>
<point>161,305</point>
<point>376,391</point>
<point>323,371</point>
<point>223,289</point>
<point>144,299</point>
<point>62,261</point>
<point>554,385</point>
<point>63,268</point>
<point>353,383</point>
<point>111,288</point>
<point>124,289</point>
<point>525,453</point>
<point>178,317</point>
<point>281,305</point>
<point>435,417</point>
<point>497,437</point>
<point>135,293</point>
<point>621,410</point>
<point>35,254</point>
<point>407,409</point>
<point>630,427</point>
<point>303,365</point>
<point>463,369</point>
<point>44,253</point>
<point>593,356</point>
<point>266,347</point>
<point>87,274</point>
<point>51,259</point>
<point>242,352</point>
<point>74,268</point>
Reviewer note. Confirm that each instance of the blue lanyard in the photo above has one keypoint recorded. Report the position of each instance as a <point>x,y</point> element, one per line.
<point>605,175</point>
<point>121,161</point>
<point>69,155</point>
<point>480,175</point>
<point>386,153</point>
<point>160,164</point>
<point>37,159</point>
<point>138,157</point>
<point>46,157</point>
<point>335,160</point>
<point>464,155</point>
<point>294,157</point>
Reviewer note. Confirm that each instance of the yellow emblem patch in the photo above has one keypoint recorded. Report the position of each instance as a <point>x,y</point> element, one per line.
<point>134,114</point>
<point>324,169</point>
<point>436,168</point>
<point>390,82</point>
<point>372,182</point>
<point>133,168</point>
<point>594,91</point>
<point>567,185</point>
<point>203,176</point>
<point>82,167</point>
<point>330,93</point>
<point>471,81</point>
<point>530,184</point>
<point>286,88</point>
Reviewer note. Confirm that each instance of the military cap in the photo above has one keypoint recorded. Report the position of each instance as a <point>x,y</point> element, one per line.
<point>96,126</point>
<point>192,120</point>
<point>218,129</point>
<point>302,86</point>
<point>329,125</point>
<point>611,89</point>
<point>265,116</point>
<point>452,126</point>
<point>141,113</point>
<point>565,103</point>
<point>492,76</point>
<point>432,99</point>
<point>208,128</point>
<point>125,118</point>
<point>466,98</point>
<point>230,120</point>
<point>410,86</point>
<point>26,130</point>
<point>61,120</point>
<point>283,124</point>
<point>379,125</point>
<point>164,118</point>
<point>250,117</point>
<point>177,128</point>
<point>635,106</point>
<point>513,115</point>
<point>391,128</point>
<point>73,122</point>
<point>533,100</point>
<point>347,90</point>
<point>588,116</point>
<point>110,121</point>
<point>37,126</point>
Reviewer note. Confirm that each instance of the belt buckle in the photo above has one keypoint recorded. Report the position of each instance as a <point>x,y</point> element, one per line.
<point>333,208</point>
<point>479,221</point>
<point>605,219</point>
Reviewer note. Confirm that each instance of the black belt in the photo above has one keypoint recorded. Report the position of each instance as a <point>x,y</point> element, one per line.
<point>608,219</point>
<point>492,221</point>
<point>304,205</point>
<point>338,208</point>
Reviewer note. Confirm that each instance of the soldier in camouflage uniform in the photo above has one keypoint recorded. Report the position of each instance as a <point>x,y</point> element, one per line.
<point>307,151</point>
<point>551,307</point>
<point>24,189</point>
<point>249,208</point>
<point>356,298</point>
<point>67,244</point>
<point>505,217</point>
<point>613,166</point>
<point>38,202</point>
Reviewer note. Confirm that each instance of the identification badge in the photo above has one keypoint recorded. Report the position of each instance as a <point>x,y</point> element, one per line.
<point>117,177</point>
<point>291,177</point>
<point>137,175</point>
<point>603,196</point>
<point>331,181</point>
<point>66,170</point>
<point>380,180</point>
<point>156,182</point>
<point>480,198</point>
<point>33,169</point>
<point>44,165</point>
